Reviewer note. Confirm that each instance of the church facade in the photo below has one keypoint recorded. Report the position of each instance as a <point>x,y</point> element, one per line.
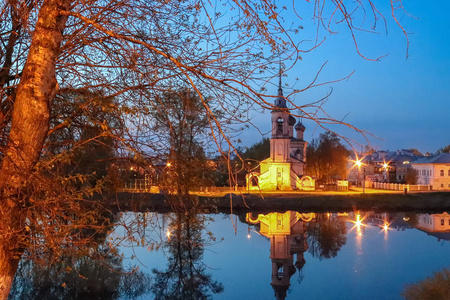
<point>284,169</point>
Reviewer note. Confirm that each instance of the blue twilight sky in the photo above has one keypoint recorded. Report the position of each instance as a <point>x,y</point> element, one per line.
<point>404,102</point>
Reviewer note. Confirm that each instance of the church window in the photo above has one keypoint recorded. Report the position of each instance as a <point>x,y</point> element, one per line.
<point>280,125</point>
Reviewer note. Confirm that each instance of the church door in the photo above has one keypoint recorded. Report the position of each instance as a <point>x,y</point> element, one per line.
<point>279,178</point>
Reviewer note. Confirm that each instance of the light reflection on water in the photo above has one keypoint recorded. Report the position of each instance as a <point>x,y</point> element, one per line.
<point>374,262</point>
<point>279,255</point>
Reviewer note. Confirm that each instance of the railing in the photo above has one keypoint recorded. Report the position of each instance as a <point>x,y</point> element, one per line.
<point>145,186</point>
<point>141,186</point>
<point>400,187</point>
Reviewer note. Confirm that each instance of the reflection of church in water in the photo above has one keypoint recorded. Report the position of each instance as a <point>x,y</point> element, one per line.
<point>287,234</point>
<point>284,169</point>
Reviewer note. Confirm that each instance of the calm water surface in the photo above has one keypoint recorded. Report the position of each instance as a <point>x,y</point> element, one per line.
<point>314,256</point>
<point>291,255</point>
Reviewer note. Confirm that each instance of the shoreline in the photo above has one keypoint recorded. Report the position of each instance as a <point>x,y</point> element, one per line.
<point>430,201</point>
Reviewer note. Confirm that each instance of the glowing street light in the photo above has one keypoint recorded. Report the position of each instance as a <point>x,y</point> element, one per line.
<point>386,168</point>
<point>358,163</point>
<point>168,164</point>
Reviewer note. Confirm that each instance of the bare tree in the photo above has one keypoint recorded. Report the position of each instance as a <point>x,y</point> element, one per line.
<point>132,52</point>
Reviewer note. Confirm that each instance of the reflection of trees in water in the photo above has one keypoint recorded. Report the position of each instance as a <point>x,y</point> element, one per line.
<point>326,236</point>
<point>185,276</point>
<point>79,278</point>
<point>91,269</point>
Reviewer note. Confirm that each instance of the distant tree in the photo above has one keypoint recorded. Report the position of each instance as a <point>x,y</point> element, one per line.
<point>327,158</point>
<point>445,149</point>
<point>411,176</point>
<point>181,123</point>
<point>416,152</point>
<point>258,151</point>
<point>432,288</point>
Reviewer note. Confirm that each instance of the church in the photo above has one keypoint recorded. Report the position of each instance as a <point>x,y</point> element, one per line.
<point>284,169</point>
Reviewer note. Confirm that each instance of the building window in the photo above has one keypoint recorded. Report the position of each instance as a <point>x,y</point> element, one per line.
<point>442,185</point>
<point>448,172</point>
<point>442,172</point>
<point>442,222</point>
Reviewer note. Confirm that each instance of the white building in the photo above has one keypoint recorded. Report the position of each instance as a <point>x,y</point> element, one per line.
<point>434,170</point>
<point>434,222</point>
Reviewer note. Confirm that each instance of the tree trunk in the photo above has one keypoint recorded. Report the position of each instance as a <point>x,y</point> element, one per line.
<point>29,128</point>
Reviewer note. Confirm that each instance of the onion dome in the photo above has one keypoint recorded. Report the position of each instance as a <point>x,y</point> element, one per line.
<point>299,126</point>
<point>291,120</point>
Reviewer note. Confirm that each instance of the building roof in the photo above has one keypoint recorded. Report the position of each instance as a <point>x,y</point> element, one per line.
<point>442,158</point>
<point>299,126</point>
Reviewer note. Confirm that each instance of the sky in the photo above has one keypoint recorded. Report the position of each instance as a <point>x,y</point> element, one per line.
<point>403,102</point>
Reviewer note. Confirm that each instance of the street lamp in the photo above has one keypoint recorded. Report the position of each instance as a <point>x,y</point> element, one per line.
<point>386,168</point>
<point>358,163</point>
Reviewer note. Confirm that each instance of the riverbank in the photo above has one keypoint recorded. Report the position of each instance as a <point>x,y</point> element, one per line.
<point>317,201</point>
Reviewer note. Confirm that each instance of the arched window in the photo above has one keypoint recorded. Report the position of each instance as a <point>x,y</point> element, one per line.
<point>280,125</point>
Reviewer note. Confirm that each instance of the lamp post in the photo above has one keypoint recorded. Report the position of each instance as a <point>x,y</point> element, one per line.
<point>386,168</point>
<point>358,163</point>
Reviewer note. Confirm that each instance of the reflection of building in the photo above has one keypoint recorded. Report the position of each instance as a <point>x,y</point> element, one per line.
<point>434,222</point>
<point>437,225</point>
<point>434,170</point>
<point>287,235</point>
<point>284,169</point>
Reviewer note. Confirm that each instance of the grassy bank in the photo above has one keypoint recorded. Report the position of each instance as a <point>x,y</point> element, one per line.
<point>432,202</point>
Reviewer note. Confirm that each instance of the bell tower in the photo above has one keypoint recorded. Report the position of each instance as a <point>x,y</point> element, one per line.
<point>284,169</point>
<point>282,128</point>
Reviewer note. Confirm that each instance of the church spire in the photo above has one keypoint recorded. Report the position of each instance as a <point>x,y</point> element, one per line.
<point>280,101</point>
<point>280,90</point>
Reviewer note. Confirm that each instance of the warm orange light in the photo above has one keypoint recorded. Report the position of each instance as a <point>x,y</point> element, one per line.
<point>168,164</point>
<point>386,226</point>
<point>358,163</point>
<point>358,220</point>
<point>248,236</point>
<point>168,233</point>
<point>385,165</point>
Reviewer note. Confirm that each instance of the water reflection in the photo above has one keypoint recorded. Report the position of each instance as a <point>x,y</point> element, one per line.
<point>287,234</point>
<point>185,276</point>
<point>79,277</point>
<point>365,241</point>
<point>323,235</point>
<point>327,233</point>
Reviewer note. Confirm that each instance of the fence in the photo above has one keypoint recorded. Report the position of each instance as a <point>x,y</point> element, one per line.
<point>400,187</point>
<point>146,186</point>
